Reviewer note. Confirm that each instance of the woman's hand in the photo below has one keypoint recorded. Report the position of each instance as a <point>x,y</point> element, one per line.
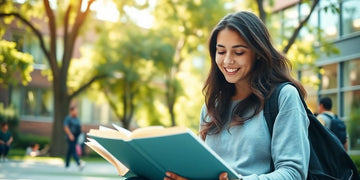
<point>223,176</point>
<point>173,176</point>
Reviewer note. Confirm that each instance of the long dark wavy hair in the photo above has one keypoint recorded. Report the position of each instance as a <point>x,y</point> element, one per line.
<point>270,68</point>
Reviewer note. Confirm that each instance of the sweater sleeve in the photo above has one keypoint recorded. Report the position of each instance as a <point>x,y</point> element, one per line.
<point>290,149</point>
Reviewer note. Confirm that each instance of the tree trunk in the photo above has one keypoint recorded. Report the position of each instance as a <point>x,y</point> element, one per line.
<point>61,109</point>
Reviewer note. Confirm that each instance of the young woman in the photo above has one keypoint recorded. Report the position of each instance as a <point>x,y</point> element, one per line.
<point>245,68</point>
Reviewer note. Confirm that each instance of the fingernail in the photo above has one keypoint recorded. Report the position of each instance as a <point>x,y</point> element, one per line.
<point>225,175</point>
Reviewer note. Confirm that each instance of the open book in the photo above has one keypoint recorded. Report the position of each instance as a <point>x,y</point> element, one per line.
<point>150,152</point>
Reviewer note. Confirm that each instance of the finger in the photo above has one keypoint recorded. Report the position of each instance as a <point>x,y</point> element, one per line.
<point>223,176</point>
<point>173,176</point>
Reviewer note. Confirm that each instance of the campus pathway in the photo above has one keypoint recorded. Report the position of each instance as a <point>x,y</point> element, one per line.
<point>54,169</point>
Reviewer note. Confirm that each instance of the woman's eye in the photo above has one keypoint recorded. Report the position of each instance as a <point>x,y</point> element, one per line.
<point>221,52</point>
<point>239,53</point>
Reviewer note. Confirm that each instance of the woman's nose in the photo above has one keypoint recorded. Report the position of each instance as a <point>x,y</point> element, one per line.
<point>228,59</point>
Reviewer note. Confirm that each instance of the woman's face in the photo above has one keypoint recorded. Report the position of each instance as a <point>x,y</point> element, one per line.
<point>233,56</point>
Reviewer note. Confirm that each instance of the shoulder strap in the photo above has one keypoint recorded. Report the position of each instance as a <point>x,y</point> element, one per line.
<point>271,107</point>
<point>329,116</point>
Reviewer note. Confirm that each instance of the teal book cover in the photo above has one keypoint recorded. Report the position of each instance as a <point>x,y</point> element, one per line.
<point>152,154</point>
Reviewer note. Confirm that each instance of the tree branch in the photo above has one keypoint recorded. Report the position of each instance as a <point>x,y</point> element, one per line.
<point>113,106</point>
<point>69,47</point>
<point>53,65</point>
<point>86,85</point>
<point>297,30</point>
<point>261,10</point>
<point>52,28</point>
<point>66,28</point>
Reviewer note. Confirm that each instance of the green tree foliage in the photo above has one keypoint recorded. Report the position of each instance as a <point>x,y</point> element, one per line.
<point>187,25</point>
<point>14,65</point>
<point>135,57</point>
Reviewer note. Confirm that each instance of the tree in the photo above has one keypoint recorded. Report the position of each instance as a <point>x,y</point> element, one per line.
<point>73,19</point>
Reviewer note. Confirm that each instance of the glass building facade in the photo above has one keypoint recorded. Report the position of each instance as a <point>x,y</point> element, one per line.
<point>334,24</point>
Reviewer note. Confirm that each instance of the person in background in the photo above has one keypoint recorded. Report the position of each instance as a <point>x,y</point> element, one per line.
<point>245,69</point>
<point>72,128</point>
<point>5,141</point>
<point>331,121</point>
<point>33,150</point>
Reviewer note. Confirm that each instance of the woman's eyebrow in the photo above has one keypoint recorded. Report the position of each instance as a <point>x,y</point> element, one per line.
<point>235,46</point>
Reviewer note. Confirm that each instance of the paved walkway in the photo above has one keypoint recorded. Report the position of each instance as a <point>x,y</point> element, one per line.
<point>54,169</point>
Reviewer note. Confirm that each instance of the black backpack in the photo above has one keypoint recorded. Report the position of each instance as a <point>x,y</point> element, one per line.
<point>328,158</point>
<point>337,126</point>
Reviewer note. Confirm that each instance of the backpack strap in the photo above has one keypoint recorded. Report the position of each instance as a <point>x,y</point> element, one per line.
<point>271,107</point>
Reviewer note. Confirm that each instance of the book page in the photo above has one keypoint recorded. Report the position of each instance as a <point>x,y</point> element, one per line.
<point>155,131</point>
<point>107,134</point>
<point>103,128</point>
<point>122,130</point>
<point>122,170</point>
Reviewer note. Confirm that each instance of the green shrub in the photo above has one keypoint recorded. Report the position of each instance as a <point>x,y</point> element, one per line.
<point>23,141</point>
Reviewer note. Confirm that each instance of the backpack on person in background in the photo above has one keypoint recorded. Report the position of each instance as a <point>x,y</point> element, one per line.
<point>337,126</point>
<point>328,158</point>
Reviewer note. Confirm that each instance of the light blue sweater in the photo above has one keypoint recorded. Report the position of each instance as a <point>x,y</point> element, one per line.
<point>248,148</point>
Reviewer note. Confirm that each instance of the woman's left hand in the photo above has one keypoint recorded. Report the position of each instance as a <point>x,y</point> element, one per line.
<point>173,176</point>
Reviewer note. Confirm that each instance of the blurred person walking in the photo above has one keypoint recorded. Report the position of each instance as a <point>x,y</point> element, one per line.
<point>72,128</point>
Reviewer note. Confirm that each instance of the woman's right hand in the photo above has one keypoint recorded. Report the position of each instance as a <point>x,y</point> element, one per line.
<point>223,176</point>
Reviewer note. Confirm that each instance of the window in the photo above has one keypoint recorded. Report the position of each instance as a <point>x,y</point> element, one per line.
<point>310,81</point>
<point>329,78</point>
<point>36,102</point>
<point>32,46</point>
<point>351,16</point>
<point>275,27</point>
<point>352,111</point>
<point>329,20</point>
<point>310,31</point>
<point>352,73</point>
<point>290,21</point>
<point>29,102</point>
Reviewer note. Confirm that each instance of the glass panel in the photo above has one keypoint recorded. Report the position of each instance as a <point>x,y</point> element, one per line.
<point>291,21</point>
<point>352,73</point>
<point>351,16</point>
<point>310,81</point>
<point>274,26</point>
<point>352,110</point>
<point>46,106</point>
<point>96,113</point>
<point>32,46</point>
<point>310,30</point>
<point>329,77</point>
<point>29,102</point>
<point>329,22</point>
